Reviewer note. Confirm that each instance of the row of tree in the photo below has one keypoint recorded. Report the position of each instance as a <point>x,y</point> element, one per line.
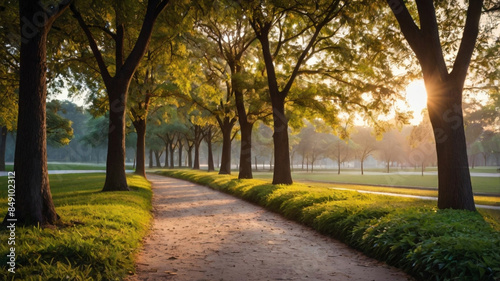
<point>229,62</point>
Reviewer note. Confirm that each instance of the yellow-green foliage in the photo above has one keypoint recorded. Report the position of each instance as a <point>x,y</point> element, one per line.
<point>409,233</point>
<point>102,248</point>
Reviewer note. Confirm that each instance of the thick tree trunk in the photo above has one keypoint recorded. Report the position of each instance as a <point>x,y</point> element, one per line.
<point>140,128</point>
<point>34,205</point>
<point>116,179</point>
<point>226,127</point>
<point>196,164</point>
<point>454,183</point>
<point>3,145</point>
<point>245,170</point>
<point>282,173</point>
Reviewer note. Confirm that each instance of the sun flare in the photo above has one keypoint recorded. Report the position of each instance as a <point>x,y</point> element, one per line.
<point>416,96</point>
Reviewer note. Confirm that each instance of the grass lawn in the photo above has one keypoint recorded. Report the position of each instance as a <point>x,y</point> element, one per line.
<point>479,184</point>
<point>73,166</point>
<point>408,233</point>
<point>101,245</point>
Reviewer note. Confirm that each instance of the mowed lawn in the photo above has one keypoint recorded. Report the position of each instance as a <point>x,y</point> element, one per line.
<point>479,184</point>
<point>100,237</point>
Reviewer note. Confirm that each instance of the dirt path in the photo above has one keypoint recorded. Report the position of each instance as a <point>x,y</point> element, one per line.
<point>202,234</point>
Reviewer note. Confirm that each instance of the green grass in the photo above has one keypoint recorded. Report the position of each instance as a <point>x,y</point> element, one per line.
<point>479,184</point>
<point>408,233</point>
<point>103,248</point>
<point>72,166</point>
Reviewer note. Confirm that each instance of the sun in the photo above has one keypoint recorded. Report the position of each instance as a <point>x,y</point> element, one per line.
<point>416,96</point>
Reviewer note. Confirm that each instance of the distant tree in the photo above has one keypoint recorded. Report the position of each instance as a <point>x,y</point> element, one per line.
<point>364,145</point>
<point>391,148</point>
<point>422,147</point>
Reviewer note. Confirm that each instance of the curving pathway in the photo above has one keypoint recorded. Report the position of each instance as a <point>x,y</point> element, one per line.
<point>202,234</point>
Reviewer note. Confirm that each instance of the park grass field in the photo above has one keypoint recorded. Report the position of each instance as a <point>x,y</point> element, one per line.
<point>102,231</point>
<point>479,184</point>
<point>72,166</point>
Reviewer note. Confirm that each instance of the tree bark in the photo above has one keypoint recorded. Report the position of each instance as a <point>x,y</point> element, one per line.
<point>282,173</point>
<point>454,183</point>
<point>190,155</point>
<point>34,205</point>
<point>172,150</point>
<point>226,126</point>
<point>245,169</point>
<point>116,180</point>
<point>3,145</point>
<point>140,128</point>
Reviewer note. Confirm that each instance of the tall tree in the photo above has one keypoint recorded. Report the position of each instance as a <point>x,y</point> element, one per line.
<point>34,205</point>
<point>117,85</point>
<point>444,90</point>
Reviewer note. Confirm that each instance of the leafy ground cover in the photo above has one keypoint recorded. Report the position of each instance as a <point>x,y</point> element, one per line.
<point>100,241</point>
<point>408,233</point>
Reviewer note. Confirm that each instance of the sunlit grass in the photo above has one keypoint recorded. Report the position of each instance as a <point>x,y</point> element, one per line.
<point>102,243</point>
<point>72,166</point>
<point>479,184</point>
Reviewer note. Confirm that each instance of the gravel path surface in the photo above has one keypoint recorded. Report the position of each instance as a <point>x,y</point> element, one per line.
<point>202,234</point>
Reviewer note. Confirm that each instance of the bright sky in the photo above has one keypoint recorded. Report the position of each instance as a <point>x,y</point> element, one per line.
<point>416,96</point>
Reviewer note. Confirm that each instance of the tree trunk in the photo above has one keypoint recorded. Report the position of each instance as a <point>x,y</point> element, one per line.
<point>150,158</point>
<point>256,168</point>
<point>172,149</point>
<point>245,169</point>
<point>140,128</point>
<point>181,146</point>
<point>3,145</point>
<point>157,158</point>
<point>454,183</point>
<point>338,166</point>
<point>34,205</point>
<point>208,139</point>
<point>196,164</point>
<point>166,155</point>
<point>362,171</point>
<point>190,156</point>
<point>282,173</point>
<point>226,127</point>
<point>423,169</point>
<point>116,179</point>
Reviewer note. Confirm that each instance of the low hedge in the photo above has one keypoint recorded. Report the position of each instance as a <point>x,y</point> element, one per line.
<point>408,233</point>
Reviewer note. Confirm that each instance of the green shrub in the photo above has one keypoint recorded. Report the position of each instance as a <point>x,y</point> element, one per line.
<point>408,233</point>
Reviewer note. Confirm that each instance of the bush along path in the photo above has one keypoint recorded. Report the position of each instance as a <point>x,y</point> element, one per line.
<point>202,234</point>
<point>408,233</point>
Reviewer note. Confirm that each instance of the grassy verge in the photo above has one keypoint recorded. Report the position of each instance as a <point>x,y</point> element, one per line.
<point>102,248</point>
<point>408,233</point>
